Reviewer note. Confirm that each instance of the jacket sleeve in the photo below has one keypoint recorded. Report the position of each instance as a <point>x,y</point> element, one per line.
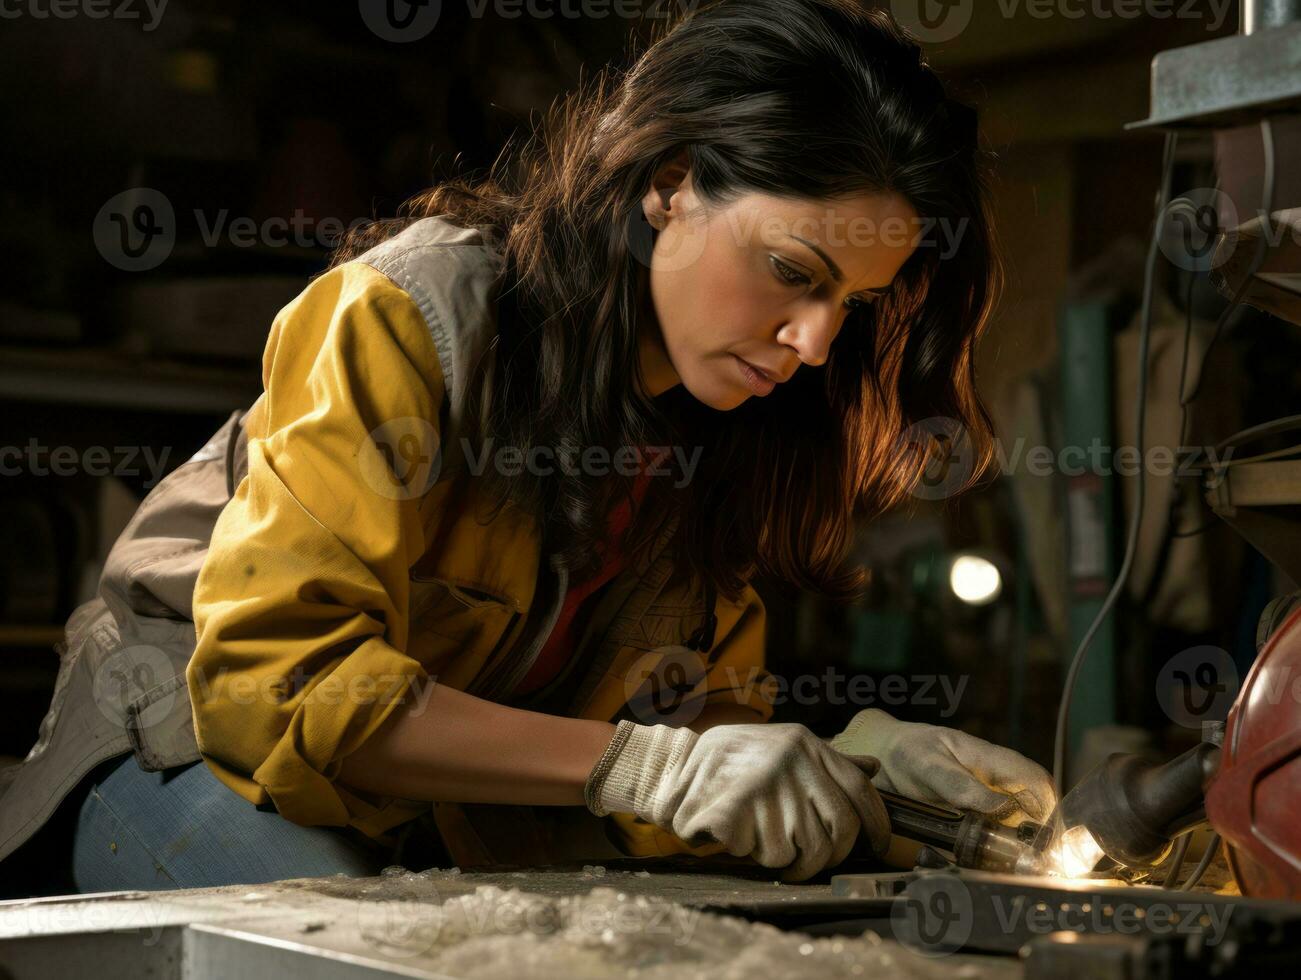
<point>300,608</point>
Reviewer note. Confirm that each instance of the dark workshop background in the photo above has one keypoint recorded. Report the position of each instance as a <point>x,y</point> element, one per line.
<point>244,112</point>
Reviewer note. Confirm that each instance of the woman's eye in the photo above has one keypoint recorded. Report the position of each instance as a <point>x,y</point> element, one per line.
<point>789,275</point>
<point>855,303</point>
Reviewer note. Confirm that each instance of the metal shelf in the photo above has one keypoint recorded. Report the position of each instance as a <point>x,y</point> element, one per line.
<point>111,378</point>
<point>15,635</point>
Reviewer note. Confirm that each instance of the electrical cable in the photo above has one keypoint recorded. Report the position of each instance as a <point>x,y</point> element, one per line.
<point>1183,364</point>
<point>1262,249</point>
<point>1131,546</point>
<point>1178,497</point>
<point>1273,427</point>
<point>1177,860</point>
<point>1211,849</point>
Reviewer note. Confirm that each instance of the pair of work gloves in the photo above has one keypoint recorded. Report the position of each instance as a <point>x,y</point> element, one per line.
<point>788,799</point>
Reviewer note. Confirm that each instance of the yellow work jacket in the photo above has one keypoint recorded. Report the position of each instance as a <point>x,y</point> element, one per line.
<point>273,597</point>
<point>349,570</point>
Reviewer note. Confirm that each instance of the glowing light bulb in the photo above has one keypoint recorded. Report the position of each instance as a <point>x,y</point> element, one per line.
<point>975,580</point>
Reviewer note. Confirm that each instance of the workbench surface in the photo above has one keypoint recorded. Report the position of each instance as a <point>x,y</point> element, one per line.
<point>574,922</point>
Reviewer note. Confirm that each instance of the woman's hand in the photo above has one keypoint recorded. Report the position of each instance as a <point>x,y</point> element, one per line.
<point>775,793</point>
<point>949,768</point>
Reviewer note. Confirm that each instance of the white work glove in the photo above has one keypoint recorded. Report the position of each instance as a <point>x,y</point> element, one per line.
<point>775,793</point>
<point>949,768</point>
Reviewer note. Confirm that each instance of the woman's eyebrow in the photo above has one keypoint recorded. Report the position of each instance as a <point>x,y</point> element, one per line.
<point>816,249</point>
<point>836,274</point>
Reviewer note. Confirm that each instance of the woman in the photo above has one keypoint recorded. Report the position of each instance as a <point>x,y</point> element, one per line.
<point>485,541</point>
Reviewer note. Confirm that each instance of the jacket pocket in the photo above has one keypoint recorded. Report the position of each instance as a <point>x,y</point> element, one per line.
<point>159,720</point>
<point>470,596</point>
<point>456,628</point>
<point>160,726</point>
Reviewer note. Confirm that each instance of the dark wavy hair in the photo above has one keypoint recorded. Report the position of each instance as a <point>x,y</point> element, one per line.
<point>811,99</point>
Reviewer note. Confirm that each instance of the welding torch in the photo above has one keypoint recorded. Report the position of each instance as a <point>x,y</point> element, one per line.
<point>1128,809</point>
<point>975,840</point>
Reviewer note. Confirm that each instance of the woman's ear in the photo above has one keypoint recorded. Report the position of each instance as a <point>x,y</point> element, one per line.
<point>670,177</point>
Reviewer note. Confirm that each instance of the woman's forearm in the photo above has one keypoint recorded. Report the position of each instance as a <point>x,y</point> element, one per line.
<point>460,748</point>
<point>463,749</point>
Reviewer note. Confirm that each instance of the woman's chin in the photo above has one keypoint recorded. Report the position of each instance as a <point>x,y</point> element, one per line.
<point>721,398</point>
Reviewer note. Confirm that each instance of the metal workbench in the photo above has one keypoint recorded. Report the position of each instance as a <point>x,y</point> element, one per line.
<point>580,922</point>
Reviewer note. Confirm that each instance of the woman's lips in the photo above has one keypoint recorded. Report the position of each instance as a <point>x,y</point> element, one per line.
<point>754,379</point>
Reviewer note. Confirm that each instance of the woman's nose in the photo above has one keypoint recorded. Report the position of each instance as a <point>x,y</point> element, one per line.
<point>810,333</point>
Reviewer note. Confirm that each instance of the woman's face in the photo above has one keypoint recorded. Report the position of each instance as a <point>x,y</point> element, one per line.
<point>745,293</point>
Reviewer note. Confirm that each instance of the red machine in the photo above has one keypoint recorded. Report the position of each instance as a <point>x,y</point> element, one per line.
<point>1254,798</point>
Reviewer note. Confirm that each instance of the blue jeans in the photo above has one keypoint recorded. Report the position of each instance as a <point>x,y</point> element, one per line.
<point>184,828</point>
